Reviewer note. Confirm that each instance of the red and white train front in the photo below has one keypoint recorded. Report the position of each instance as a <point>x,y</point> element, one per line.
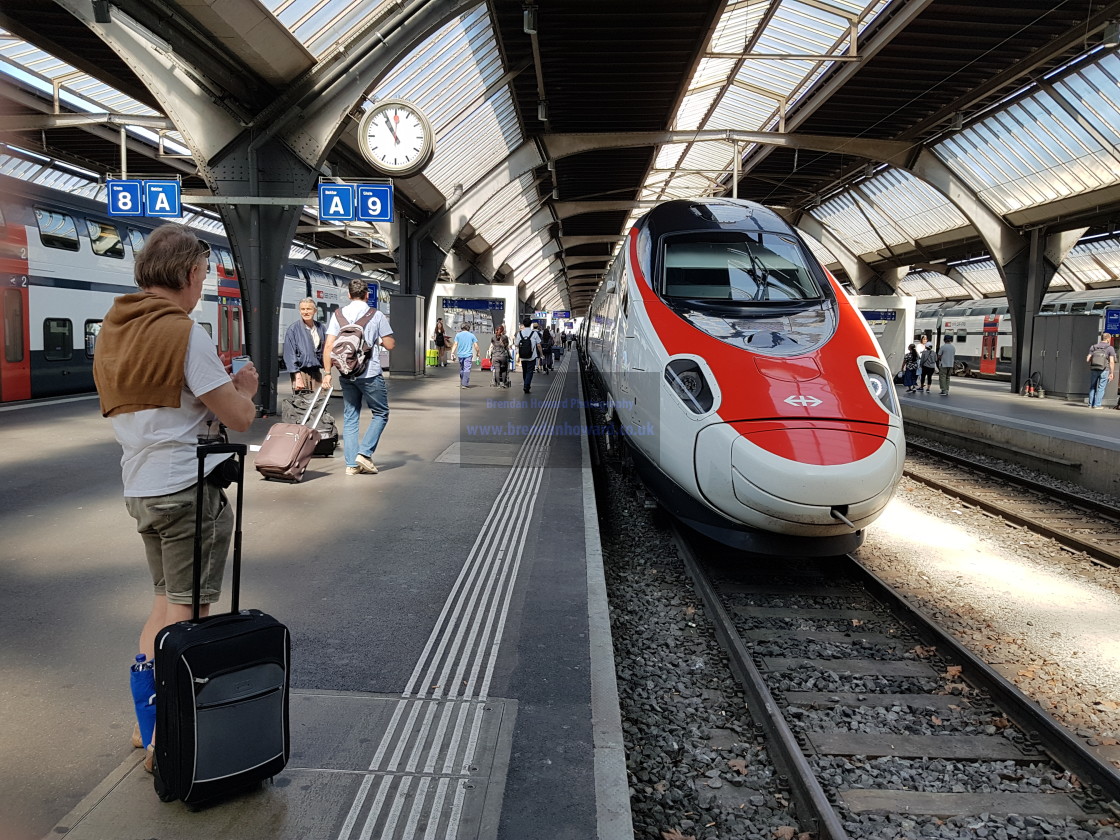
<point>752,392</point>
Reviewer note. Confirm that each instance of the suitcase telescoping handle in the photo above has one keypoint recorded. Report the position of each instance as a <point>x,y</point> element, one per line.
<point>322,408</point>
<point>239,450</point>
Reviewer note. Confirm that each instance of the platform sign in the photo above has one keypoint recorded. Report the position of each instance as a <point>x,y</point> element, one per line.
<point>560,314</point>
<point>375,202</point>
<point>336,202</point>
<point>125,198</point>
<point>1112,321</point>
<point>161,198</point>
<point>540,316</point>
<point>880,315</point>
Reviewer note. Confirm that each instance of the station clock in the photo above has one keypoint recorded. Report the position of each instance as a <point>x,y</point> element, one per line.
<point>396,138</point>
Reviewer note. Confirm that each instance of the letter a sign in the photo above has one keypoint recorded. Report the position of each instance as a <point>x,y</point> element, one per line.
<point>161,198</point>
<point>336,202</point>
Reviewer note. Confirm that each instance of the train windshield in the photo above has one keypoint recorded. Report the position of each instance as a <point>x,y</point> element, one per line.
<point>757,268</point>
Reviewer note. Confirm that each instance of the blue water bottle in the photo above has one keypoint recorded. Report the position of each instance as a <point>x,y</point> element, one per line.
<point>143,682</point>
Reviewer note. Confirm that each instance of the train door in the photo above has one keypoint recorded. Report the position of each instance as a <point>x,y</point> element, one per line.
<point>15,336</point>
<point>988,342</point>
<point>230,341</point>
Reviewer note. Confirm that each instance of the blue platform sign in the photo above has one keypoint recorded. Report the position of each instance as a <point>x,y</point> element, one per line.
<point>560,314</point>
<point>124,198</point>
<point>876,315</point>
<point>1112,321</point>
<point>336,202</point>
<point>375,202</point>
<point>161,198</point>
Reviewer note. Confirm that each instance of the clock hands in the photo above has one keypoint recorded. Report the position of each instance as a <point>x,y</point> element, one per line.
<point>392,128</point>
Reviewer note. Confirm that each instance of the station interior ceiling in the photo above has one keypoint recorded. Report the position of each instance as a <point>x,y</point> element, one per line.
<point>897,134</point>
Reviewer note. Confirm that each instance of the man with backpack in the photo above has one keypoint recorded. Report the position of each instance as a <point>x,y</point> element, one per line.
<point>1102,365</point>
<point>353,336</point>
<point>528,340</point>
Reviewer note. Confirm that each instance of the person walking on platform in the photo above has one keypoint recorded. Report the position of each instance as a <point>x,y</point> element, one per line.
<point>367,387</point>
<point>528,341</point>
<point>1102,366</point>
<point>946,359</point>
<point>546,351</point>
<point>440,342</point>
<point>466,348</point>
<point>910,369</point>
<point>927,359</point>
<point>303,343</point>
<point>499,357</point>
<point>162,385</point>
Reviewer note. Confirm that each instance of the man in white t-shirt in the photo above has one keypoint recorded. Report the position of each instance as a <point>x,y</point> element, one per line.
<point>160,380</point>
<point>528,342</point>
<point>367,387</point>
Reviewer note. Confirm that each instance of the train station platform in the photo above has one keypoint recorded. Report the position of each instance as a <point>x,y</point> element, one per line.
<point>452,667</point>
<point>1063,438</point>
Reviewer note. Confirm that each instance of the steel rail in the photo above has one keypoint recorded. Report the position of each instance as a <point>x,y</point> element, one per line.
<point>782,745</point>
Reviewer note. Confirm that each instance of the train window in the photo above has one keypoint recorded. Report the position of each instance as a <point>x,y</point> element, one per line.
<point>206,325</point>
<point>57,230</point>
<point>1063,307</point>
<point>105,239</point>
<point>1002,310</point>
<point>136,239</point>
<point>1100,305</point>
<point>962,334</point>
<point>223,329</point>
<point>93,330</point>
<point>1080,306</point>
<point>767,269</point>
<point>2,222</point>
<point>235,327</point>
<point>950,313</point>
<point>1047,307</point>
<point>58,339</point>
<point>225,257</point>
<point>13,325</point>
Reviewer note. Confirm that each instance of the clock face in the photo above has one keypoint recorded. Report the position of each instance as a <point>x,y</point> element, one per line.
<point>396,138</point>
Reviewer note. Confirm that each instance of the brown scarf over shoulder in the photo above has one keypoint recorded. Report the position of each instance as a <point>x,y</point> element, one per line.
<point>140,355</point>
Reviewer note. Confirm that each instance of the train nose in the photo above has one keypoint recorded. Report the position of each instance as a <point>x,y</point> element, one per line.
<point>793,477</point>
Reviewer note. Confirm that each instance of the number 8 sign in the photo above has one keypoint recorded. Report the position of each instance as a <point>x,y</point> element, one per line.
<point>124,198</point>
<point>375,202</point>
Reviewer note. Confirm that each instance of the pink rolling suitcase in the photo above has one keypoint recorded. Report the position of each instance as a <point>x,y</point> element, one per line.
<point>288,447</point>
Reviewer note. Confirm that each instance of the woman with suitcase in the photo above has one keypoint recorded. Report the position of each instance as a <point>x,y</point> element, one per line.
<point>499,357</point>
<point>164,388</point>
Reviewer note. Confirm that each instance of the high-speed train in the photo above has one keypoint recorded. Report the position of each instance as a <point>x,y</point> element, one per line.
<point>752,394</point>
<point>62,261</point>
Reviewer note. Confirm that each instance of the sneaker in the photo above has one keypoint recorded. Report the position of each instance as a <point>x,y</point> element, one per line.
<point>366,465</point>
<point>353,470</point>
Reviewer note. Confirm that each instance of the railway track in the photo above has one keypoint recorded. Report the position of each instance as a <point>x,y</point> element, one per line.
<point>1077,523</point>
<point>842,674</point>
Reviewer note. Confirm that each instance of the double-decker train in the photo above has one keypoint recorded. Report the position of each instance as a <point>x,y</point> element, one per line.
<point>982,332</point>
<point>62,261</point>
<point>752,394</point>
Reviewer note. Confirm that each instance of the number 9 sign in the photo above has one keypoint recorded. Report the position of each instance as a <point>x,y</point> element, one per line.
<point>375,202</point>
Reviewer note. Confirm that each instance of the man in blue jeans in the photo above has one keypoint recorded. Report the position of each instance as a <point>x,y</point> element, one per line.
<point>367,387</point>
<point>1102,364</point>
<point>466,348</point>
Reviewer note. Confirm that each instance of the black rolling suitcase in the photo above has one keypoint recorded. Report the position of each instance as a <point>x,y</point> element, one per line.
<point>221,687</point>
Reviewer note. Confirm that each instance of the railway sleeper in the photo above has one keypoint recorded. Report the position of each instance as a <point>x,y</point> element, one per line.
<point>946,805</point>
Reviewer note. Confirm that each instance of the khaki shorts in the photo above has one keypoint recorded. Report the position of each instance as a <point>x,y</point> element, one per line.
<point>166,523</point>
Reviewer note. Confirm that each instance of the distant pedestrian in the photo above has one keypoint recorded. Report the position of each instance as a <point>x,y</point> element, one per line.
<point>546,351</point>
<point>1102,367</point>
<point>466,348</point>
<point>499,356</point>
<point>946,360</point>
<point>910,369</point>
<point>528,340</point>
<point>927,359</point>
<point>303,348</point>
<point>441,342</point>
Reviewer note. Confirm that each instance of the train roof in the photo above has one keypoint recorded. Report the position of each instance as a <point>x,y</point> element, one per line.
<point>723,214</point>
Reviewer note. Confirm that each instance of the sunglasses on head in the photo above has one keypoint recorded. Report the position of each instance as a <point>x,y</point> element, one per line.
<point>204,249</point>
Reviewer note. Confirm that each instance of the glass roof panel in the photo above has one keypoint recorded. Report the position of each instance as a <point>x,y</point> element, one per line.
<point>1094,263</point>
<point>323,24</point>
<point>845,217</point>
<point>914,208</point>
<point>1038,150</point>
<point>930,286</point>
<point>983,276</point>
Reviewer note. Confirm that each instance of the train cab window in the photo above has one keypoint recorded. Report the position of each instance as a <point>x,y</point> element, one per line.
<point>93,330</point>
<point>57,230</point>
<point>13,325</point>
<point>105,239</point>
<point>136,239</point>
<point>225,258</point>
<point>767,269</point>
<point>58,339</point>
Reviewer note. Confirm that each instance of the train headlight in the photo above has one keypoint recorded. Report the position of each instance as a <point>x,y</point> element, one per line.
<point>878,380</point>
<point>688,382</point>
